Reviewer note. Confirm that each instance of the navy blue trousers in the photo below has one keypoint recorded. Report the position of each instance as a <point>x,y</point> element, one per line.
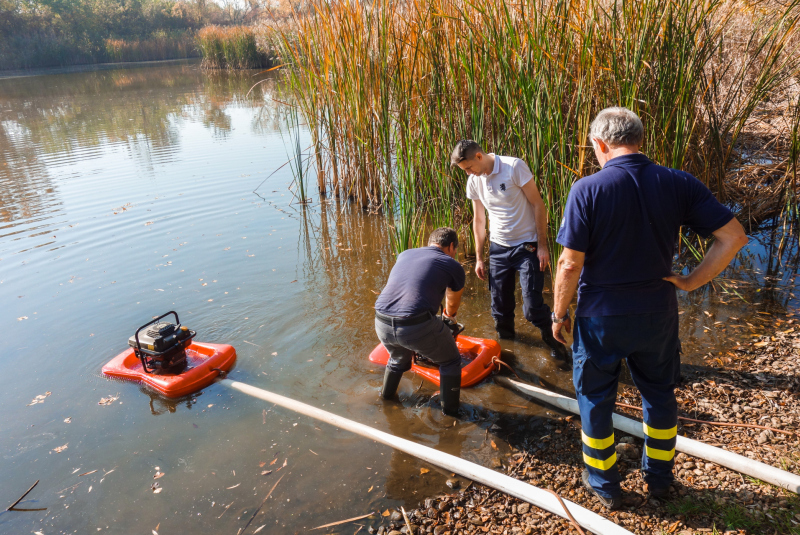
<point>504,263</point>
<point>649,343</point>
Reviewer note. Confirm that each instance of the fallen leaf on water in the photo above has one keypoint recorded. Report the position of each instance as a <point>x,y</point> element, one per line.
<point>210,300</point>
<point>158,475</point>
<point>423,470</point>
<point>210,405</point>
<point>61,448</point>
<point>22,318</point>
<point>386,513</point>
<point>87,473</point>
<point>376,293</point>
<point>370,489</point>
<point>109,400</point>
<point>233,487</point>
<point>275,354</point>
<point>273,462</point>
<point>90,489</point>
<point>155,532</point>
<point>293,281</point>
<point>39,399</point>
<point>156,491</point>
<point>261,464</point>
<point>67,420</point>
<point>494,445</point>
<point>259,529</point>
<point>266,472</point>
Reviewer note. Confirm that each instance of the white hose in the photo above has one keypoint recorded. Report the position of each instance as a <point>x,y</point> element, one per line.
<point>533,495</point>
<point>739,463</point>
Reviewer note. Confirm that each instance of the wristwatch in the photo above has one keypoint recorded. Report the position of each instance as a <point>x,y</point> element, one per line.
<point>556,319</point>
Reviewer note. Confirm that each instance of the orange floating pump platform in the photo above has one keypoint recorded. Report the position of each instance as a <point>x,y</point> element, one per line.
<point>477,360</point>
<point>166,359</point>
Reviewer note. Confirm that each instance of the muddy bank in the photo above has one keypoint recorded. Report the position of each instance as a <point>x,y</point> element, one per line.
<point>755,383</point>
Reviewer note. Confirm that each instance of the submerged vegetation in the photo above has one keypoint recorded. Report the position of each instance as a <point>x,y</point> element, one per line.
<point>387,88</point>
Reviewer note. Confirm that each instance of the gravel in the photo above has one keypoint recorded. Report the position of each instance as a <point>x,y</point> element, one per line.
<point>754,383</point>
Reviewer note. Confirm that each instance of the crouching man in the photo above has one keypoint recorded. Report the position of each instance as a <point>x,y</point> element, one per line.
<point>405,314</point>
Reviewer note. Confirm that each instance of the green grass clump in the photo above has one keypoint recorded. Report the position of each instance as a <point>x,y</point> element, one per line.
<point>387,88</point>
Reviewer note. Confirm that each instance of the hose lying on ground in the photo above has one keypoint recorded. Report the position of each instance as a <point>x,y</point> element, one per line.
<point>519,489</point>
<point>723,424</point>
<point>736,462</point>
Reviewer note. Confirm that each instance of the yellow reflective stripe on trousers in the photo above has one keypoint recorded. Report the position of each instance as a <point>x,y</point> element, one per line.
<point>598,443</point>
<point>660,434</point>
<point>660,455</point>
<point>599,464</point>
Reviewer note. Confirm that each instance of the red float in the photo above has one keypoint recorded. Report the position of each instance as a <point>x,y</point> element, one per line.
<point>477,356</point>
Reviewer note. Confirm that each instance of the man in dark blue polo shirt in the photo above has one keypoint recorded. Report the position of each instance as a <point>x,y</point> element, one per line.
<point>405,315</point>
<point>619,233</point>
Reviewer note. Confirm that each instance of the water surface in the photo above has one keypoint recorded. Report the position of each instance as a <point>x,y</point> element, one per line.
<point>127,193</point>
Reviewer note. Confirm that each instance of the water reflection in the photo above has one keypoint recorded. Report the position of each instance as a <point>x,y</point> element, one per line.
<point>139,184</point>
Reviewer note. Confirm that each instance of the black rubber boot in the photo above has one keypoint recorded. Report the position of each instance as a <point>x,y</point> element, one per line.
<point>505,329</point>
<point>391,380</point>
<point>559,350</point>
<point>449,393</point>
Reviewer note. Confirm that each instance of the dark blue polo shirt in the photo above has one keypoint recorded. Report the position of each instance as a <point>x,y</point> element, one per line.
<point>626,219</point>
<point>417,282</point>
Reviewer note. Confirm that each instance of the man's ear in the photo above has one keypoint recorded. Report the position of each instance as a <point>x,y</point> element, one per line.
<point>478,156</point>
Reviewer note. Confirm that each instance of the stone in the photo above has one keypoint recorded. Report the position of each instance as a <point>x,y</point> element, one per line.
<point>439,530</point>
<point>523,508</point>
<point>396,516</point>
<point>453,483</point>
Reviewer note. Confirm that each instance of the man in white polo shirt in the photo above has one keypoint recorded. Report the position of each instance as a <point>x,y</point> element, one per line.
<point>503,187</point>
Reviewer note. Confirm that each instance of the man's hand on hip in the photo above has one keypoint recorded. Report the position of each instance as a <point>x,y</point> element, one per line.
<point>566,325</point>
<point>480,269</point>
<point>681,282</point>
<point>544,256</point>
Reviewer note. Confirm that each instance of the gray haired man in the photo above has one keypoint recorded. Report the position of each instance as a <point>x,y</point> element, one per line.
<point>619,233</point>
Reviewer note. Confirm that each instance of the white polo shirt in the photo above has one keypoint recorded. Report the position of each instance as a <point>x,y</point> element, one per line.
<point>511,219</point>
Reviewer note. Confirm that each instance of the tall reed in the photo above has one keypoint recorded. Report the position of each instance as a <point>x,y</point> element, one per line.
<point>231,47</point>
<point>387,88</point>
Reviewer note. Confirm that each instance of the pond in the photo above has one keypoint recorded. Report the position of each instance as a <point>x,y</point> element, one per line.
<point>130,192</point>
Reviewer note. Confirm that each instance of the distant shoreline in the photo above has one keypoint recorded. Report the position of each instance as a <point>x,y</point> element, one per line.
<point>18,73</point>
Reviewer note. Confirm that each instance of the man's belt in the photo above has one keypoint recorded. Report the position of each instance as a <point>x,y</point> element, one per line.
<point>411,320</point>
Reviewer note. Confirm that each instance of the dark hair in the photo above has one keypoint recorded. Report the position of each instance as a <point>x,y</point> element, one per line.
<point>443,236</point>
<point>466,149</point>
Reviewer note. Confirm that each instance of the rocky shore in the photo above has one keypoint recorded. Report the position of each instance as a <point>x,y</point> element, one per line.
<point>756,383</point>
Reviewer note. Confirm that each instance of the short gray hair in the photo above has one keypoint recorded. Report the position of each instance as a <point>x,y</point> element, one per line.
<point>617,127</point>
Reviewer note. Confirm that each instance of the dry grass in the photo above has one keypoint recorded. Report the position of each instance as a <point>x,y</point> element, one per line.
<point>387,88</point>
<point>232,47</point>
